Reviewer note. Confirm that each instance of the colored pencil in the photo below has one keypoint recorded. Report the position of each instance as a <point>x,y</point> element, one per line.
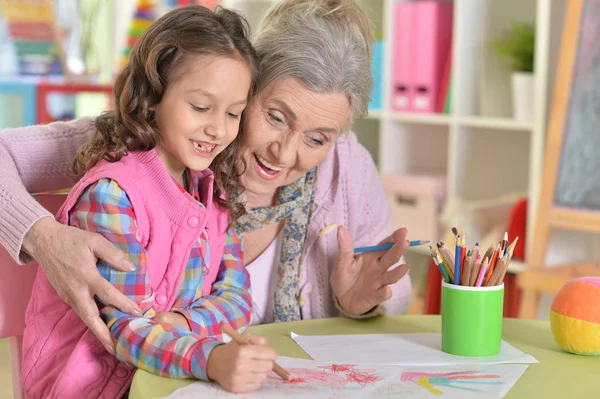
<point>500,279</point>
<point>484,267</point>
<point>475,270</point>
<point>457,264</point>
<point>511,248</point>
<point>449,258</point>
<point>498,270</point>
<point>440,265</point>
<point>496,273</point>
<point>466,276</point>
<point>475,250</point>
<point>446,264</point>
<point>447,271</point>
<point>385,247</point>
<point>493,263</point>
<point>504,244</point>
<point>227,329</point>
<point>463,254</point>
<point>490,251</point>
<point>474,256</point>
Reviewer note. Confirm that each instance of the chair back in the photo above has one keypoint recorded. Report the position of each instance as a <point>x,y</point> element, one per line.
<point>15,290</point>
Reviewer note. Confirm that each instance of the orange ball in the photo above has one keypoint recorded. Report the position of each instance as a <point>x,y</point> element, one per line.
<point>575,316</point>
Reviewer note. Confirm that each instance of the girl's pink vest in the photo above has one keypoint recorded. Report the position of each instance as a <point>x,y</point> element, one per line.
<point>61,357</point>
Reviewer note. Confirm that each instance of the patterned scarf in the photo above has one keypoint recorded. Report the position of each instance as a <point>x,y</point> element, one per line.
<point>294,204</point>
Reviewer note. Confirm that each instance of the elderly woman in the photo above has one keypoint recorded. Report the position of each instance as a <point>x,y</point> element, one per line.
<point>304,171</point>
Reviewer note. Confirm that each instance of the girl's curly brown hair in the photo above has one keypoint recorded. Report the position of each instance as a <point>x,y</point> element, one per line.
<point>183,32</point>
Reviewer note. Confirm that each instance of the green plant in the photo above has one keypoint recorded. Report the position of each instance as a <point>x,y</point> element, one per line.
<point>517,47</point>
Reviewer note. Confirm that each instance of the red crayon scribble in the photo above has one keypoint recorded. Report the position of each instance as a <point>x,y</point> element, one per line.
<point>316,378</point>
<point>362,377</point>
<point>338,368</point>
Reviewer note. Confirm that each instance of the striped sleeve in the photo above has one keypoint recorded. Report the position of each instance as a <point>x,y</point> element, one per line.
<point>229,300</point>
<point>165,350</point>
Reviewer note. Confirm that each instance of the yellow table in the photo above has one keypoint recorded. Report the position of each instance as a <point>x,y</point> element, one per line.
<point>558,375</point>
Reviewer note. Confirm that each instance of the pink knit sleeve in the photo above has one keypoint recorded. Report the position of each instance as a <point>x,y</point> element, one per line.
<point>32,159</point>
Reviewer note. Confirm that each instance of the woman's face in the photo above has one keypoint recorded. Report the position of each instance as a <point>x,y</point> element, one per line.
<point>288,130</point>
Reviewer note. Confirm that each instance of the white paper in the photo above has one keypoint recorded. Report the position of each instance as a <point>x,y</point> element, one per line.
<point>420,349</point>
<point>354,381</point>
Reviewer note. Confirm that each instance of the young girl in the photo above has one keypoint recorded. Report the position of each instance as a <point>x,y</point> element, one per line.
<point>145,185</point>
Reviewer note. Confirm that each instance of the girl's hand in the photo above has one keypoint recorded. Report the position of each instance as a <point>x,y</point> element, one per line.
<point>68,257</point>
<point>172,318</point>
<point>241,368</point>
<point>360,283</point>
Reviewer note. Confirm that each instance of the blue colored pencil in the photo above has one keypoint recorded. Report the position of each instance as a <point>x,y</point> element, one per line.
<point>385,247</point>
<point>457,264</point>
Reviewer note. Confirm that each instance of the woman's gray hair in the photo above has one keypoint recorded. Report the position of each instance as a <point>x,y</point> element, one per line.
<point>325,44</point>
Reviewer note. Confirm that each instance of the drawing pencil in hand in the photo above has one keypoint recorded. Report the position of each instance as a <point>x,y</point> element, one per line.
<point>227,329</point>
<point>385,247</point>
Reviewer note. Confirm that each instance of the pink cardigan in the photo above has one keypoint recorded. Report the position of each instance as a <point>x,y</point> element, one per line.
<point>61,357</point>
<point>349,193</point>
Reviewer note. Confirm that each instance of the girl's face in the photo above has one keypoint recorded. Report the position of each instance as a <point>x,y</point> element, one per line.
<point>288,130</point>
<point>199,114</point>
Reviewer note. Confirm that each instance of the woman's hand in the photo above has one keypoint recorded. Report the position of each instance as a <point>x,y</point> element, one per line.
<point>241,368</point>
<point>68,257</point>
<point>360,283</point>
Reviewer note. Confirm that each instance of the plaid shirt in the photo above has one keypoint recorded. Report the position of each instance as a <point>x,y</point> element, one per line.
<point>164,349</point>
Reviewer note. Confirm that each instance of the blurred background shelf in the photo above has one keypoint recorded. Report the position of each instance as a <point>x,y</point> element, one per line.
<point>494,123</point>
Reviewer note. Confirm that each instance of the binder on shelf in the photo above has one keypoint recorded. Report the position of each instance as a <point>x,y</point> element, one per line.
<point>402,75</point>
<point>448,101</point>
<point>433,33</point>
<point>376,102</point>
<point>445,83</point>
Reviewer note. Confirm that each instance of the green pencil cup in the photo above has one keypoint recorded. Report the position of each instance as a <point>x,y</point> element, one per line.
<point>472,320</point>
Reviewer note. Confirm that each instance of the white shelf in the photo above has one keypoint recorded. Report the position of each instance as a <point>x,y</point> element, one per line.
<point>375,114</point>
<point>480,122</point>
<point>494,123</point>
<point>423,119</point>
<point>412,118</point>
